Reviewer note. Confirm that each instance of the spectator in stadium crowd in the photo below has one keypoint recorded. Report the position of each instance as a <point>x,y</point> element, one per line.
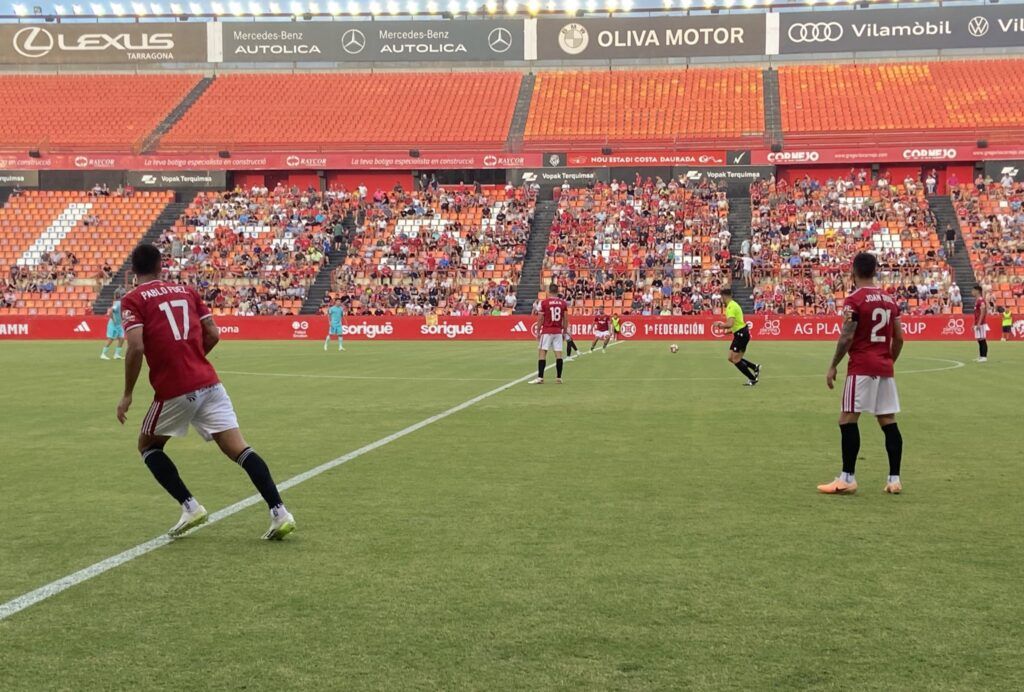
<point>931,181</point>
<point>950,240</point>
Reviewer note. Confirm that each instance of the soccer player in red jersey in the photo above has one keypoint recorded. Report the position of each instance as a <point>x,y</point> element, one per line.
<point>980,325</point>
<point>553,324</point>
<point>171,326</point>
<point>602,330</point>
<point>873,337</point>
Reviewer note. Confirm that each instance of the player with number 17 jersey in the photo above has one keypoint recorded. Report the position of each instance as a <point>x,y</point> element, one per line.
<point>173,336</point>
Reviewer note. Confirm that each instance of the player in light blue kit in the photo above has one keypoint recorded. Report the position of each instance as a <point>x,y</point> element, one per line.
<point>115,330</point>
<point>335,313</point>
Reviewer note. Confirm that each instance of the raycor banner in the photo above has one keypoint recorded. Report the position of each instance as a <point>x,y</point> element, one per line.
<point>663,37</point>
<point>978,26</point>
<point>86,44</point>
<point>178,180</point>
<point>381,41</point>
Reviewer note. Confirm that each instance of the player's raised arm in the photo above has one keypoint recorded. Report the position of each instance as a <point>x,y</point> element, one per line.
<point>897,338</point>
<point>842,346</point>
<point>132,367</point>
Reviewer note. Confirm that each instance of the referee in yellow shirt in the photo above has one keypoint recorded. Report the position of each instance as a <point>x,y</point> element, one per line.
<point>735,323</point>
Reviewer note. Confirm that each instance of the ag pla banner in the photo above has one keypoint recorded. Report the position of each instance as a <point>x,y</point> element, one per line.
<point>515,327</point>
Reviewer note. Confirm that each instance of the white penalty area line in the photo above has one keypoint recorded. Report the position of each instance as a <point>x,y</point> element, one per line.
<point>42,593</point>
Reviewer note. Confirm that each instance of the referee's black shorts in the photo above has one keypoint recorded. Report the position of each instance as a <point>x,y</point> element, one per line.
<point>740,339</point>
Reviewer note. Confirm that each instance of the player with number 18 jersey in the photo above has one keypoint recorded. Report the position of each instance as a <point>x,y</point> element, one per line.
<point>552,324</point>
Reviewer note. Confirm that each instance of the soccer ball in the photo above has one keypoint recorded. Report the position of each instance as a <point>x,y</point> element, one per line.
<point>673,348</point>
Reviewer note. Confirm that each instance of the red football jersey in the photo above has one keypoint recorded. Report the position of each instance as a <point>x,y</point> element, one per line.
<point>875,312</point>
<point>553,310</point>
<point>170,315</point>
<point>601,322</point>
<point>978,305</point>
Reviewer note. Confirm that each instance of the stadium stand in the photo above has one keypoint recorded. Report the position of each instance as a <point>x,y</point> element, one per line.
<point>644,106</point>
<point>254,252</point>
<point>804,237</point>
<point>457,250</point>
<point>100,112</point>
<point>646,247</point>
<point>901,97</point>
<point>59,248</point>
<point>350,110</point>
<point>992,221</point>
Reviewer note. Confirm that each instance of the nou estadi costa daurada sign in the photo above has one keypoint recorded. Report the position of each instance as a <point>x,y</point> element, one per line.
<point>504,40</point>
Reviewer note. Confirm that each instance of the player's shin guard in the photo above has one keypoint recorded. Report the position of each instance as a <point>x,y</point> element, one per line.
<point>166,473</point>
<point>259,474</point>
<point>742,367</point>
<point>541,365</point>
<point>893,447</point>
<point>850,434</point>
<point>558,367</point>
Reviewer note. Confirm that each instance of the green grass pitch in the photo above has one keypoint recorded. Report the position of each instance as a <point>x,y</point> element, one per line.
<point>650,524</point>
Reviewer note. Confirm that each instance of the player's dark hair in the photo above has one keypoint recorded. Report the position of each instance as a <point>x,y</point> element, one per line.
<point>978,288</point>
<point>146,259</point>
<point>553,289</point>
<point>865,265</point>
<point>726,292</point>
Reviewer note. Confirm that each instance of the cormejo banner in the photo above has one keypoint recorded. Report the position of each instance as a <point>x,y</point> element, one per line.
<point>661,37</point>
<point>87,44</point>
<point>380,41</point>
<point>980,26</point>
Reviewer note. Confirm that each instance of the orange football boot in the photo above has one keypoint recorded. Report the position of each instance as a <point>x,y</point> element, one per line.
<point>838,487</point>
<point>894,488</point>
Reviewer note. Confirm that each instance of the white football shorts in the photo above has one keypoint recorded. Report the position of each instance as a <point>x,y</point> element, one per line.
<point>208,410</point>
<point>602,335</point>
<point>980,332</point>
<point>870,394</point>
<point>552,342</point>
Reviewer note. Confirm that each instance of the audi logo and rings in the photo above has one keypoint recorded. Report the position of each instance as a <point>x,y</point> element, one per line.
<point>815,32</point>
<point>33,42</point>
<point>353,41</point>
<point>978,27</point>
<point>499,40</point>
<point>573,38</point>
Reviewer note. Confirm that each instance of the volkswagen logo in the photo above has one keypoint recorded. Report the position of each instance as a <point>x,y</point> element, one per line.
<point>573,38</point>
<point>815,32</point>
<point>353,41</point>
<point>33,42</point>
<point>978,27</point>
<point>500,40</point>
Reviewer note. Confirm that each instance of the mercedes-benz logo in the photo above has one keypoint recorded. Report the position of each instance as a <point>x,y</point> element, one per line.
<point>33,42</point>
<point>815,32</point>
<point>573,38</point>
<point>978,27</point>
<point>500,40</point>
<point>353,41</point>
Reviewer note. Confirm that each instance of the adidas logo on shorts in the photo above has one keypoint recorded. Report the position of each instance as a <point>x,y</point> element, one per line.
<point>82,327</point>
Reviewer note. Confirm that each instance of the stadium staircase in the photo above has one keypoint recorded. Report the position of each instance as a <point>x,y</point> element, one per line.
<point>739,227</point>
<point>942,207</point>
<point>324,280</point>
<point>536,250</point>
<point>772,108</point>
<point>153,138</point>
<point>171,213</point>
<point>517,128</point>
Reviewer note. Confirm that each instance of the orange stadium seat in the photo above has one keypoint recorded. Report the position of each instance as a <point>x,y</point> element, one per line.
<point>105,112</point>
<point>646,105</point>
<point>992,223</point>
<point>350,110</point>
<point>901,96</point>
<point>65,239</point>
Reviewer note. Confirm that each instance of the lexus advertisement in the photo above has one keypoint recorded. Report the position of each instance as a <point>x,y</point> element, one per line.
<point>133,44</point>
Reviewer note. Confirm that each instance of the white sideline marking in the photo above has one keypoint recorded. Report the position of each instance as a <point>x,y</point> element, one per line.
<point>42,593</point>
